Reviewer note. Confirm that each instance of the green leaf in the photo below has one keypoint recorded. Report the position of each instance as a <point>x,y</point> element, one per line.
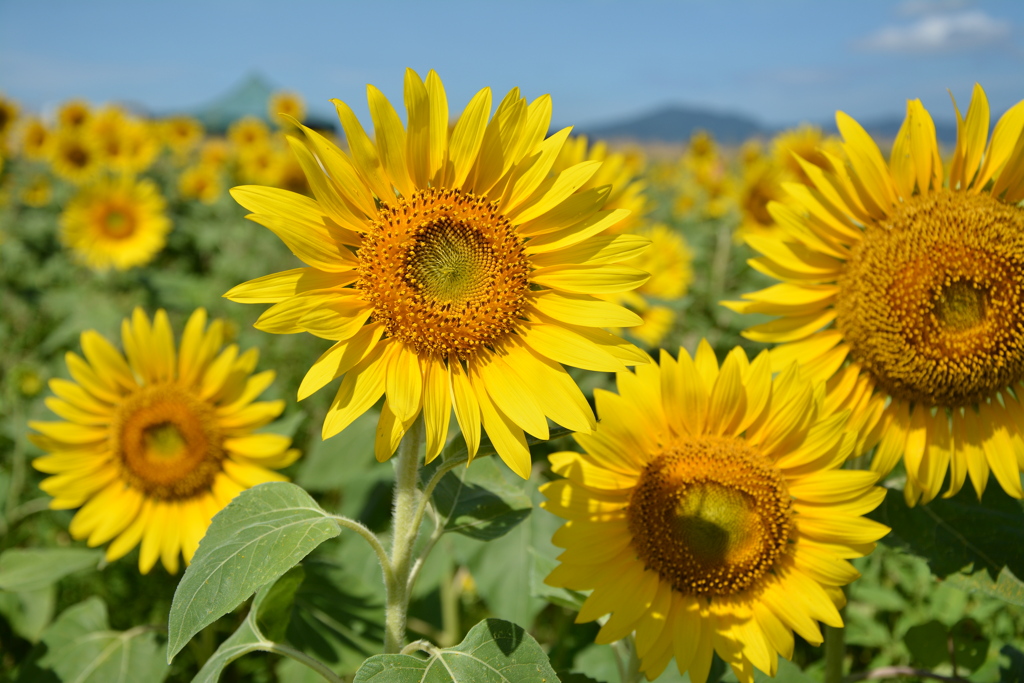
<point>483,503</point>
<point>928,643</point>
<point>1006,587</point>
<point>260,535</point>
<point>272,601</point>
<point>82,649</point>
<point>276,606</point>
<point>970,646</point>
<point>504,568</point>
<point>494,651</point>
<point>975,545</point>
<point>29,569</point>
<point>29,612</point>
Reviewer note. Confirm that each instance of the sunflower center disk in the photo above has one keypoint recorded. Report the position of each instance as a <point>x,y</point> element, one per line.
<point>932,301</point>
<point>445,272</point>
<point>167,443</point>
<point>710,515</point>
<point>117,223</point>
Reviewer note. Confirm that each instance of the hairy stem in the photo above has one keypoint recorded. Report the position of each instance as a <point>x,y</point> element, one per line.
<point>404,530</point>
<point>371,538</point>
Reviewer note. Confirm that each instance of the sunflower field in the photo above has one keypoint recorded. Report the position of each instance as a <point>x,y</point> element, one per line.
<point>510,404</point>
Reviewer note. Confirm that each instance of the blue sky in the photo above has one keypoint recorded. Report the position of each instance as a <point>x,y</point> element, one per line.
<point>780,62</point>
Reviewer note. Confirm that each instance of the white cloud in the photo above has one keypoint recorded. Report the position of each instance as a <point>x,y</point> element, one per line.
<point>940,33</point>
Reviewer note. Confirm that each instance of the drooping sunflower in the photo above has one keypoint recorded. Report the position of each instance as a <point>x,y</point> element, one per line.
<point>116,223</point>
<point>452,268</point>
<point>156,440</point>
<point>917,282</point>
<point>708,511</point>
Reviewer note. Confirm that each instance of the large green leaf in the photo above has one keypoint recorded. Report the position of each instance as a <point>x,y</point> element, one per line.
<point>483,503</point>
<point>494,651</point>
<point>261,534</point>
<point>270,609</point>
<point>976,545</point>
<point>29,569</point>
<point>505,569</point>
<point>82,649</point>
<point>28,612</point>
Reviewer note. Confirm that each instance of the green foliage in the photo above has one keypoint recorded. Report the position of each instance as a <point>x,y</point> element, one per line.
<point>266,622</point>
<point>30,569</point>
<point>260,535</point>
<point>978,545</point>
<point>81,648</point>
<point>494,651</point>
<point>482,503</point>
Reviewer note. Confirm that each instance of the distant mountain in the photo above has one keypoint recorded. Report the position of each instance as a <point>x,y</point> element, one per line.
<point>249,98</point>
<point>675,124</point>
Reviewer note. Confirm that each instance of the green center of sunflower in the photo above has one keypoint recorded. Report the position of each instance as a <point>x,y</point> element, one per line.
<point>710,516</point>
<point>932,299</point>
<point>167,442</point>
<point>117,223</point>
<point>445,272</point>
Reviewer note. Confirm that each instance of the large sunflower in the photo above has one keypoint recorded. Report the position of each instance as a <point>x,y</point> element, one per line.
<point>154,442</point>
<point>452,268</point>
<point>709,512</point>
<point>119,223</point>
<point>918,283</point>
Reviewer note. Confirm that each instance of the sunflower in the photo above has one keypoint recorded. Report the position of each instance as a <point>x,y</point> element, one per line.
<point>286,104</point>
<point>154,442</point>
<point>248,132</point>
<point>917,282</point>
<point>452,268</point>
<point>35,139</point>
<point>215,153</point>
<point>181,134</point>
<point>808,143</point>
<point>119,223</point>
<point>75,156</point>
<point>200,182</point>
<point>37,192</point>
<point>708,511</point>
<point>73,115</point>
<point>8,117</point>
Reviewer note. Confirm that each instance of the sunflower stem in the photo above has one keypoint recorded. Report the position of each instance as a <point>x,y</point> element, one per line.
<point>835,653</point>
<point>404,531</point>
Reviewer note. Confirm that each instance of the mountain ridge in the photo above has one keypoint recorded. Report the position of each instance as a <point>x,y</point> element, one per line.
<point>676,123</point>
